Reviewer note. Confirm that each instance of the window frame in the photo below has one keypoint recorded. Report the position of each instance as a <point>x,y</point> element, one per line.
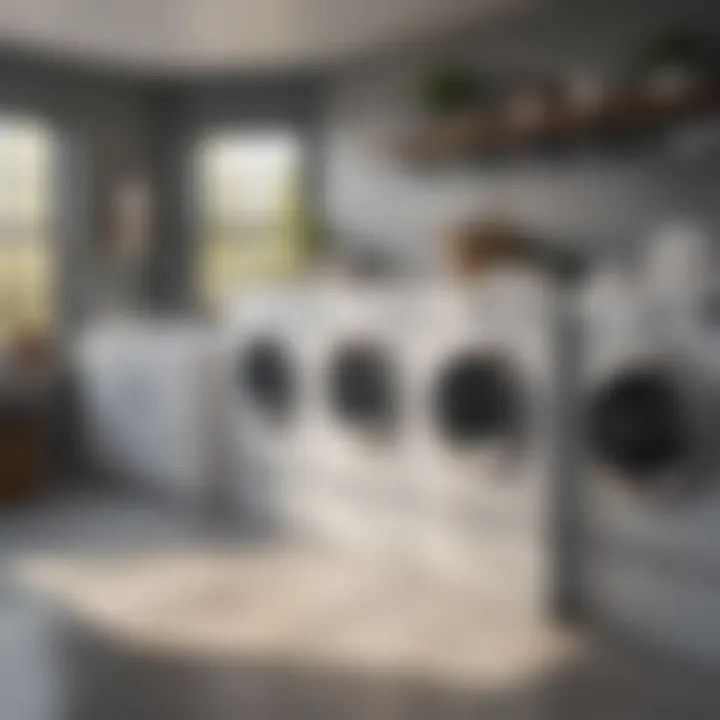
<point>196,191</point>
<point>40,231</point>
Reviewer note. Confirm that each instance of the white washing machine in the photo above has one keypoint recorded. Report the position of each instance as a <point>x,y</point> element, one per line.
<point>145,401</point>
<point>351,436</point>
<point>650,490</point>
<point>265,399</point>
<point>480,373</point>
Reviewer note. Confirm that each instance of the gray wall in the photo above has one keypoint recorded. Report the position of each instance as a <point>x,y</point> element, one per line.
<point>603,199</point>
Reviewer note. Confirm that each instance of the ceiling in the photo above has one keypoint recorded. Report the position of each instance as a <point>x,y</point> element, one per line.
<point>230,34</point>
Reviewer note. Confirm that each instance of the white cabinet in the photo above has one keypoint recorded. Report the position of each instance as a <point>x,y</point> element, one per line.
<point>145,391</point>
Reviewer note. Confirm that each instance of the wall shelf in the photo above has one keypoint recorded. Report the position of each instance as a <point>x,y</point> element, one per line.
<point>476,134</point>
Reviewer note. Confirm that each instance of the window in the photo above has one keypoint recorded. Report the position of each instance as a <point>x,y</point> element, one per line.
<point>251,214</point>
<point>26,267</point>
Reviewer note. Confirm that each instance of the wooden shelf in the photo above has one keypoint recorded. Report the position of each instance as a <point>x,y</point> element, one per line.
<point>472,135</point>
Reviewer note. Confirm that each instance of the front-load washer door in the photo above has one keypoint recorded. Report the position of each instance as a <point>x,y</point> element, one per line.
<point>267,379</point>
<point>477,400</point>
<point>643,428</point>
<point>362,388</point>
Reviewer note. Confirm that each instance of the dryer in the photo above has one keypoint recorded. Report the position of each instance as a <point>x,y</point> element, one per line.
<point>351,435</point>
<point>650,490</point>
<point>264,400</point>
<point>480,373</point>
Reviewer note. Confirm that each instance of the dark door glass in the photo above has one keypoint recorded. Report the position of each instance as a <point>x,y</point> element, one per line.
<point>267,379</point>
<point>477,399</point>
<point>639,424</point>
<point>363,392</point>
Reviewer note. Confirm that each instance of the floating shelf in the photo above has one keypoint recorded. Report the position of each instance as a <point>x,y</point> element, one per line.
<point>476,134</point>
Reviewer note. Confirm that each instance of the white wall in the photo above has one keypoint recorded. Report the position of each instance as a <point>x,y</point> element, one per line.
<point>605,198</point>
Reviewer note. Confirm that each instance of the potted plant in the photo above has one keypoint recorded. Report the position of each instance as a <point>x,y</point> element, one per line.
<point>452,91</point>
<point>677,61</point>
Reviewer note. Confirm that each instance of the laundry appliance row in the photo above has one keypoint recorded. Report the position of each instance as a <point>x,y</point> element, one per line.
<point>553,449</point>
<point>418,424</point>
<point>550,448</point>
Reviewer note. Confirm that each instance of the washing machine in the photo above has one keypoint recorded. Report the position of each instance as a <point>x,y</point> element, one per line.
<point>650,492</point>
<point>144,393</point>
<point>481,373</point>
<point>264,400</point>
<point>351,433</point>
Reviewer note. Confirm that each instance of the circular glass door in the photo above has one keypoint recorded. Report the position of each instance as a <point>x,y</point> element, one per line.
<point>363,392</point>
<point>266,377</point>
<point>476,399</point>
<point>640,425</point>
